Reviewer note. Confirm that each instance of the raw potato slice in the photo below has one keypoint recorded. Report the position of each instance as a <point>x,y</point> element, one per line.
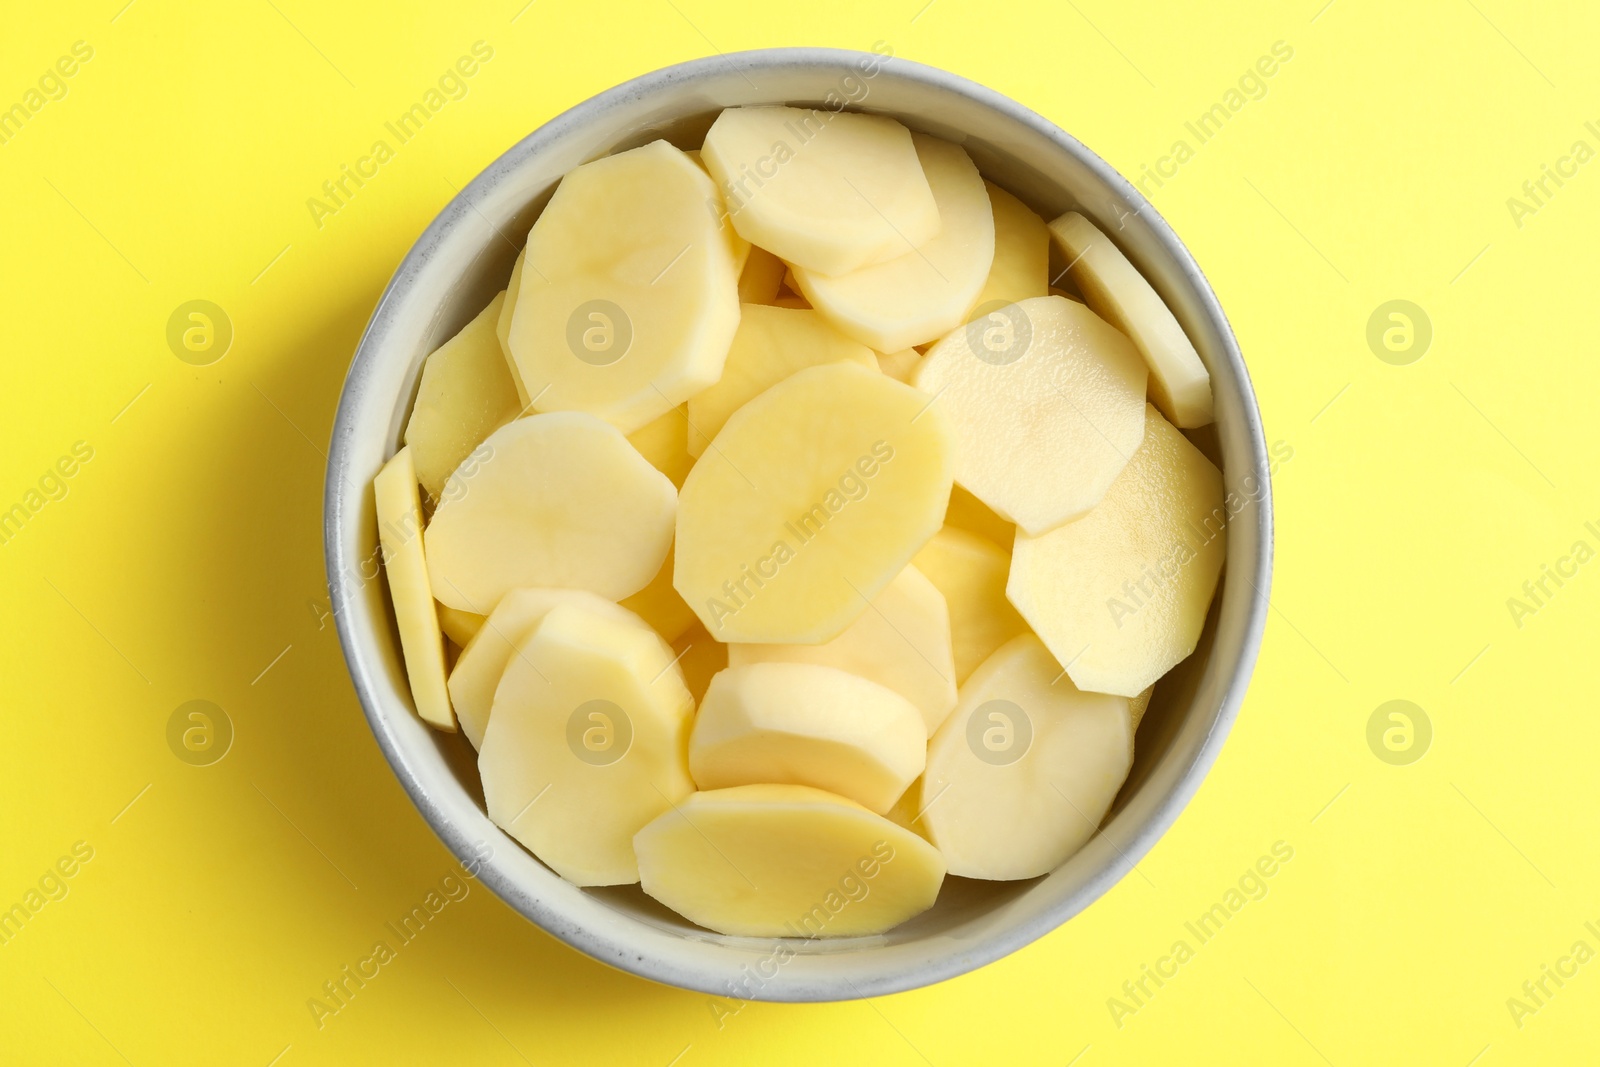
<point>629,294</point>
<point>1048,403</point>
<point>1021,267</point>
<point>502,328</point>
<point>907,811</point>
<point>900,365</point>
<point>738,245</point>
<point>832,190</point>
<point>1140,704</point>
<point>817,494</point>
<point>901,641</point>
<point>664,442</point>
<point>1021,775</point>
<point>701,656</point>
<point>786,861</point>
<point>969,513</point>
<point>793,303</point>
<point>771,344</point>
<point>1120,596</point>
<point>660,605</point>
<point>466,393</point>
<point>459,626</point>
<point>400,537</point>
<point>802,724</point>
<point>971,573</point>
<point>1179,384</point>
<point>562,501</point>
<point>761,278</point>
<point>927,291</point>
<point>587,743</point>
<point>483,659</point>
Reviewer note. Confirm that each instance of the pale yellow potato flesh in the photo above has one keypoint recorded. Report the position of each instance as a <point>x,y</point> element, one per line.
<point>400,538</point>
<point>1048,404</point>
<point>926,291</point>
<point>971,572</point>
<point>459,626</point>
<point>1140,704</point>
<point>466,393</point>
<point>664,442</point>
<point>701,656</point>
<point>502,329</point>
<point>587,743</point>
<point>901,641</point>
<point>969,513</point>
<point>1180,386</point>
<point>1020,776</point>
<point>761,278</point>
<point>629,294</point>
<point>1021,267</point>
<point>907,811</point>
<point>831,190</point>
<point>562,501</point>
<point>786,861</point>
<point>901,365</point>
<point>818,492</point>
<point>795,303</point>
<point>1120,595</point>
<point>738,245</point>
<point>805,724</point>
<point>483,659</point>
<point>771,344</point>
<point>660,605</point>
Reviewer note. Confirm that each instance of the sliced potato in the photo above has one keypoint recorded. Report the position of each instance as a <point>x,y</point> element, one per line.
<point>794,303</point>
<point>701,656</point>
<point>1021,267</point>
<point>901,641</point>
<point>1021,774</point>
<point>761,278</point>
<point>900,365</point>
<point>1179,383</point>
<point>502,330</point>
<point>466,393</point>
<point>629,293</point>
<point>483,659</point>
<point>804,724</point>
<point>907,811</point>
<point>971,572</point>
<point>1121,595</point>
<point>817,494</point>
<point>833,190</point>
<point>925,292</point>
<point>660,605</point>
<point>459,626</point>
<point>971,514</point>
<point>786,861</point>
<point>400,537</point>
<point>586,743</point>
<point>1140,704</point>
<point>664,442</point>
<point>771,344</point>
<point>1039,381</point>
<point>562,501</point>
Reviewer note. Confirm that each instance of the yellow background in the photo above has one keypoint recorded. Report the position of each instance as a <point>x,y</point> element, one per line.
<point>187,556</point>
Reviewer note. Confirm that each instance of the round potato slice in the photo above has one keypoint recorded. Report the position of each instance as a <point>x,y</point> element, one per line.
<point>1021,267</point>
<point>1121,595</point>
<point>1020,776</point>
<point>586,743</point>
<point>665,443</point>
<point>971,572</point>
<point>1048,402</point>
<point>629,290</point>
<point>901,641</point>
<point>786,861</point>
<point>804,724</point>
<point>1118,293</point>
<point>400,537</point>
<point>833,190</point>
<point>927,291</point>
<point>502,330</point>
<point>561,501</point>
<point>809,501</point>
<point>483,659</point>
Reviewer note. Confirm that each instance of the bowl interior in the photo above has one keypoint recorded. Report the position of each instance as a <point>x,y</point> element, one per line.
<point>465,257</point>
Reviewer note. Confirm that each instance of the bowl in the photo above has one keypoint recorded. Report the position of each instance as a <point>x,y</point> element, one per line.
<point>465,256</point>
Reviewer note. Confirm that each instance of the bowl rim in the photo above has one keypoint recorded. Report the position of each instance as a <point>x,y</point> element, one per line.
<point>612,947</point>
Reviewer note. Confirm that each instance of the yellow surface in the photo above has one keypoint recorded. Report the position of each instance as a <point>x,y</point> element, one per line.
<point>184,561</point>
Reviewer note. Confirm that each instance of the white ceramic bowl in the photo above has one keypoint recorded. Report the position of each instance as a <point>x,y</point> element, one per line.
<point>464,258</point>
